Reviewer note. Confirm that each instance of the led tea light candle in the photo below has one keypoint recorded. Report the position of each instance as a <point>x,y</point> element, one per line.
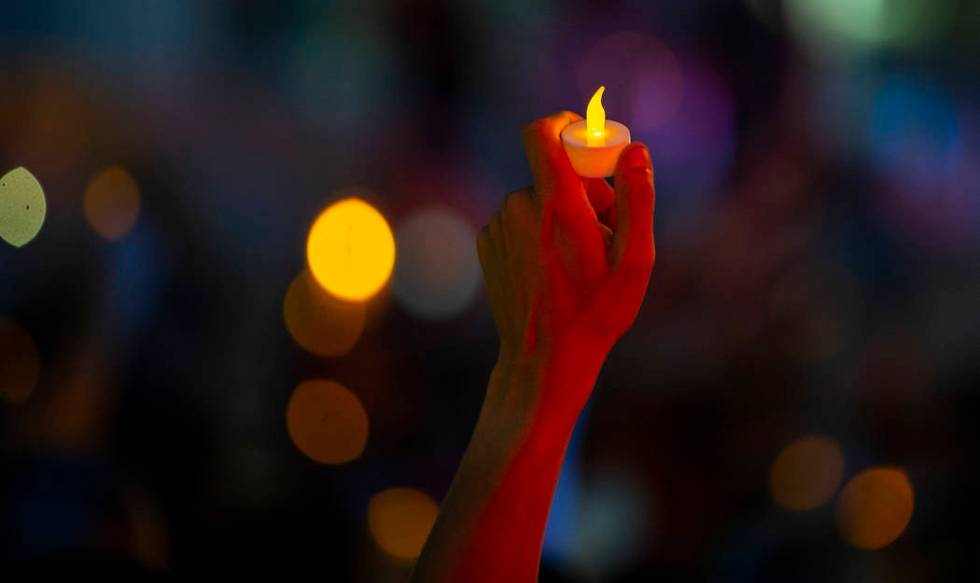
<point>593,144</point>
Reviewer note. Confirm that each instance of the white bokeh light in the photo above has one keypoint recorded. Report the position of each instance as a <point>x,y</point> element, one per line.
<point>438,271</point>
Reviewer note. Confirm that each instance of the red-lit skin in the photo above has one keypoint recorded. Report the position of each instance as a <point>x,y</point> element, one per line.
<point>566,265</point>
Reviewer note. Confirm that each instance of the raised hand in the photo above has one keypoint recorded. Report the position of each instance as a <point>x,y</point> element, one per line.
<point>567,261</point>
<point>566,265</point>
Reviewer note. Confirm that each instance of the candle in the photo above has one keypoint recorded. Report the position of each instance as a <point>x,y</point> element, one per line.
<point>593,144</point>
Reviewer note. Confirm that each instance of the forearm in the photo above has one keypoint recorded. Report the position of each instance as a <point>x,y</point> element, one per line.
<point>566,270</point>
<point>492,522</point>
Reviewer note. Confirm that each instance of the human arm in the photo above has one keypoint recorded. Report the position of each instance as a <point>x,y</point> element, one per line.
<point>566,265</point>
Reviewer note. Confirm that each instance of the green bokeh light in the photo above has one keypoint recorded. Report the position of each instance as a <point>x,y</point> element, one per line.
<point>842,27</point>
<point>22,207</point>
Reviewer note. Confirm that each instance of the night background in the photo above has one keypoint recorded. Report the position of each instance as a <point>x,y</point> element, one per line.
<point>798,399</point>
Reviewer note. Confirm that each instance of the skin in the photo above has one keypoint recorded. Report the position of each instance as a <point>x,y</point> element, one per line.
<point>566,265</point>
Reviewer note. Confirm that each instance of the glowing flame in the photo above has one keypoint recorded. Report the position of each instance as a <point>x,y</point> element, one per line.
<point>595,119</point>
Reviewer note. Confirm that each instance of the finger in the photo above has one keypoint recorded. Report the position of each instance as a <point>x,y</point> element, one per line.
<point>483,247</point>
<point>553,173</point>
<point>601,195</point>
<point>602,199</point>
<point>635,196</point>
<point>497,233</point>
<point>488,263</point>
<point>559,188</point>
<point>517,211</point>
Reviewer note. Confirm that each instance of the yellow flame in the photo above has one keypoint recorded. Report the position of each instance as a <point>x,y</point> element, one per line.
<point>595,119</point>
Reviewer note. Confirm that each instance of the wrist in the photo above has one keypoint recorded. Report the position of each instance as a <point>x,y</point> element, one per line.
<point>547,391</point>
<point>571,352</point>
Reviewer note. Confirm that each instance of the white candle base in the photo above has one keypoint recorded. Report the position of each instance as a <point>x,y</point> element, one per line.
<point>594,161</point>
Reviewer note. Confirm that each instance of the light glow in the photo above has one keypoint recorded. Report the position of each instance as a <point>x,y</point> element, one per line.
<point>22,207</point>
<point>112,203</point>
<point>595,119</point>
<point>327,422</point>
<point>438,271</point>
<point>875,507</point>
<point>806,473</point>
<point>318,321</point>
<point>351,250</point>
<point>400,519</point>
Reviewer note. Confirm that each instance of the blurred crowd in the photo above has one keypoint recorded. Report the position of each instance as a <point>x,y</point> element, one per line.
<point>798,400</point>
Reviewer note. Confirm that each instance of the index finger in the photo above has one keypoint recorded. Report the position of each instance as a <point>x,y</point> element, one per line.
<point>552,172</point>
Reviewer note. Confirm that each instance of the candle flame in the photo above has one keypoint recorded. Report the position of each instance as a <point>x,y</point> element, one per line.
<point>595,119</point>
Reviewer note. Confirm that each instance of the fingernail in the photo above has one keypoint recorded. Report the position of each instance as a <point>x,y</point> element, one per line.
<point>636,157</point>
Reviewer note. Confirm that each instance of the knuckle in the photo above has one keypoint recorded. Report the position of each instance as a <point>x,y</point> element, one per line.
<point>512,201</point>
<point>545,126</point>
<point>516,203</point>
<point>533,129</point>
<point>641,173</point>
<point>566,115</point>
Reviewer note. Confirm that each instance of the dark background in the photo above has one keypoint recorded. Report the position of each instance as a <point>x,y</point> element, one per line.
<point>818,231</point>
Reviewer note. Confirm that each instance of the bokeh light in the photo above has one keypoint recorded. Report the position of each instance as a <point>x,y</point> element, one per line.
<point>806,473</point>
<point>819,166</point>
<point>351,249</point>
<point>22,207</point>
<point>327,422</point>
<point>914,134</point>
<point>837,28</point>
<point>20,363</point>
<point>614,524</point>
<point>875,507</point>
<point>438,271</point>
<point>112,203</point>
<point>674,103</point>
<point>400,520</point>
<point>838,21</point>
<point>643,77</point>
<point>695,147</point>
<point>320,322</point>
<point>924,157</point>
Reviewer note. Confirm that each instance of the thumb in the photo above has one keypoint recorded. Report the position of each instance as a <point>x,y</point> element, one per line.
<point>635,196</point>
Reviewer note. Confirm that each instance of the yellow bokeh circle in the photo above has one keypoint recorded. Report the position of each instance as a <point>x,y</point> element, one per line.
<point>319,322</point>
<point>112,203</point>
<point>351,250</point>
<point>806,473</point>
<point>327,422</point>
<point>875,507</point>
<point>400,520</point>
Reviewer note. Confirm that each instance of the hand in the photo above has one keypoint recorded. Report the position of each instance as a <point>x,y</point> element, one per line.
<point>567,262</point>
<point>566,265</point>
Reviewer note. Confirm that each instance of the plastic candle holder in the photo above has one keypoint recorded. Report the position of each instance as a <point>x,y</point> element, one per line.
<point>593,145</point>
